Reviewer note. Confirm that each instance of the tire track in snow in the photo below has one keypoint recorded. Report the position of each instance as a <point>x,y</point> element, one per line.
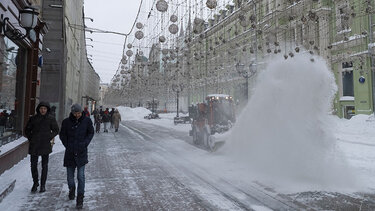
<point>264,198</point>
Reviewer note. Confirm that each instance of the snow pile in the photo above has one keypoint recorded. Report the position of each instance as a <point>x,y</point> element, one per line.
<point>132,113</point>
<point>166,119</point>
<point>284,133</point>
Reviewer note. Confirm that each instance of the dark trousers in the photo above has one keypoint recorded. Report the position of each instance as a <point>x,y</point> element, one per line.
<point>34,168</point>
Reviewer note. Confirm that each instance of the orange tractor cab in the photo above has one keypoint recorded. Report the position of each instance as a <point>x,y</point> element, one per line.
<point>215,115</point>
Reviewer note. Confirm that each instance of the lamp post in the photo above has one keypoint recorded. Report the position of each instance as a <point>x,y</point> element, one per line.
<point>177,88</point>
<point>246,73</point>
<point>28,20</point>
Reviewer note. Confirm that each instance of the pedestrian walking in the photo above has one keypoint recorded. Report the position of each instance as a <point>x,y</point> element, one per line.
<point>116,119</point>
<point>110,116</point>
<point>76,134</point>
<point>40,130</point>
<point>86,112</point>
<point>95,112</point>
<point>3,122</point>
<point>106,119</point>
<point>97,122</point>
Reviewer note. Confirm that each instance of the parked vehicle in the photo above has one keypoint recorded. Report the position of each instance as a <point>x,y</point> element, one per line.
<point>182,120</point>
<point>152,116</point>
<point>215,115</point>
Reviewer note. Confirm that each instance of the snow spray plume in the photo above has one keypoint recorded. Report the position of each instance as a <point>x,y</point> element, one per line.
<point>283,132</point>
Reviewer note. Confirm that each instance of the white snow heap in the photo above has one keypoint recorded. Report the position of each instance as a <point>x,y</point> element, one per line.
<point>284,131</point>
<point>132,113</point>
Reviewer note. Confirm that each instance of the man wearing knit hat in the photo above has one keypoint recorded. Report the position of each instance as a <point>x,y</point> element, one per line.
<point>76,134</point>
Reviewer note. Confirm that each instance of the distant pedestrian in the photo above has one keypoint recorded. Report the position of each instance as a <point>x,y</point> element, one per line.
<point>86,112</point>
<point>97,122</point>
<point>106,119</point>
<point>76,134</point>
<point>53,111</point>
<point>40,130</point>
<point>101,112</point>
<point>110,116</point>
<point>95,112</point>
<point>3,121</point>
<point>116,119</point>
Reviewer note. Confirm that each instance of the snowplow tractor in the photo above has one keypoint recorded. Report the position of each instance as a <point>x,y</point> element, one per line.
<point>215,115</point>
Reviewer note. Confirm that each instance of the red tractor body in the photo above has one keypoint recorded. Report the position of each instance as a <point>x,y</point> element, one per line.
<point>216,115</point>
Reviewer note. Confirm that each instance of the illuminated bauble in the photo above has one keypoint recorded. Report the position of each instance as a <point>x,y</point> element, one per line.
<point>139,25</point>
<point>198,26</point>
<point>129,53</point>
<point>123,60</point>
<point>122,71</point>
<point>211,4</point>
<point>173,28</point>
<point>164,51</point>
<point>162,5</point>
<point>173,18</point>
<point>162,39</point>
<point>139,35</point>
<point>130,45</point>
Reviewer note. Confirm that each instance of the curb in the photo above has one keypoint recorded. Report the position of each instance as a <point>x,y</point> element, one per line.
<point>7,190</point>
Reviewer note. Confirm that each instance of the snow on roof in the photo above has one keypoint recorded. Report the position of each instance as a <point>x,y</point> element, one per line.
<point>351,38</point>
<point>347,98</point>
<point>217,95</point>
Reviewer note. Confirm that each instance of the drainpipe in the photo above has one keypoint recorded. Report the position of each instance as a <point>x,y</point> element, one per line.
<point>371,62</point>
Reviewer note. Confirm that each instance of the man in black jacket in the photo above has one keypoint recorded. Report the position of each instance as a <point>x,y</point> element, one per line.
<point>76,134</point>
<point>40,130</point>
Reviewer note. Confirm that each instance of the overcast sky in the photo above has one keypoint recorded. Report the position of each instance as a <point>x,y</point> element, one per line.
<point>119,16</point>
<point>110,15</point>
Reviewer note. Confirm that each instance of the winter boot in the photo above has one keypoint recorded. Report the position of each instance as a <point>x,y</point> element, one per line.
<point>42,188</point>
<point>35,187</point>
<point>72,193</point>
<point>79,201</point>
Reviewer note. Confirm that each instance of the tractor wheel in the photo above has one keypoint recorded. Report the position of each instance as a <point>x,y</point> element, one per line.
<point>205,138</point>
<point>211,143</point>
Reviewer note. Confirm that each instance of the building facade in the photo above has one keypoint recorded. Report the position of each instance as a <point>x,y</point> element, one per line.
<point>248,32</point>
<point>68,77</point>
<point>21,59</point>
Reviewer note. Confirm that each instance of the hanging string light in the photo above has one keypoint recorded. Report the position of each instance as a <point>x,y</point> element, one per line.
<point>173,29</point>
<point>139,25</point>
<point>211,4</point>
<point>139,35</point>
<point>162,6</point>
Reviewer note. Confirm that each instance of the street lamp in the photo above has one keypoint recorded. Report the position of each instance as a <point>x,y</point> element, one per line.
<point>28,20</point>
<point>177,88</point>
<point>246,74</point>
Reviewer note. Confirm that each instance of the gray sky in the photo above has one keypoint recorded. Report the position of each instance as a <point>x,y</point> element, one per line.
<point>119,16</point>
<point>110,15</point>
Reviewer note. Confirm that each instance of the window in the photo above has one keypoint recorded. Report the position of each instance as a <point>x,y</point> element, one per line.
<point>10,77</point>
<point>347,83</point>
<point>343,17</point>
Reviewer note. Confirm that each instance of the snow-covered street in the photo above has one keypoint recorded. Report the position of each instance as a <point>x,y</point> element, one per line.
<point>153,165</point>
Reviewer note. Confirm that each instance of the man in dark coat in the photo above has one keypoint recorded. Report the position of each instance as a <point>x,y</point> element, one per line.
<point>40,130</point>
<point>76,134</point>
